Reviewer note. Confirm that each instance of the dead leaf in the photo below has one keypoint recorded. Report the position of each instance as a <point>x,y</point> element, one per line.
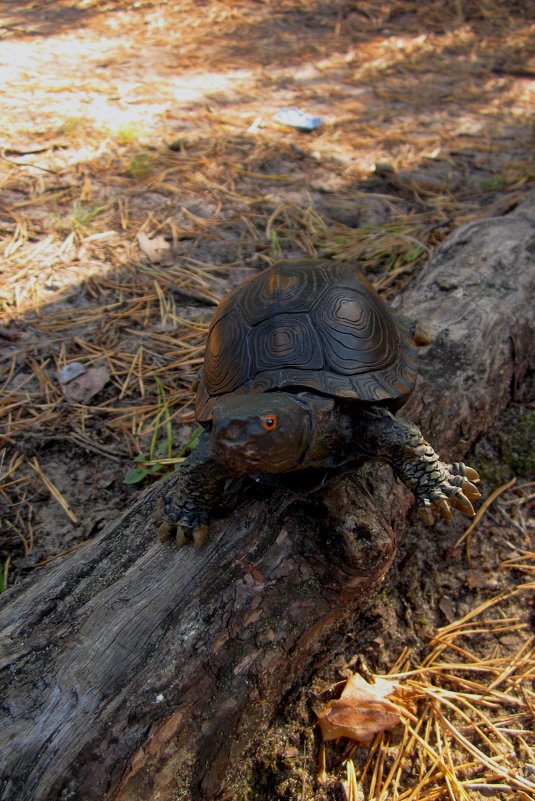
<point>155,248</point>
<point>70,371</point>
<point>86,386</point>
<point>361,711</point>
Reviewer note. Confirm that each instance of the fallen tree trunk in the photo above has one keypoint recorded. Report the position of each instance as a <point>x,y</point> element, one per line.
<point>133,670</point>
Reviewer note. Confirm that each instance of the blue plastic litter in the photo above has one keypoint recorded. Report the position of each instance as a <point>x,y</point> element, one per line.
<point>296,118</point>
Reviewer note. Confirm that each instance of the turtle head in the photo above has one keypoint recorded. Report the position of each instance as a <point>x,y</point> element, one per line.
<point>264,432</point>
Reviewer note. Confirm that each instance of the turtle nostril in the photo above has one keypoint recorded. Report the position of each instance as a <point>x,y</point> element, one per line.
<point>232,433</point>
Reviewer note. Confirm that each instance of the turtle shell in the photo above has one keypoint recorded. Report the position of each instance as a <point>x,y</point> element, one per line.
<point>311,324</point>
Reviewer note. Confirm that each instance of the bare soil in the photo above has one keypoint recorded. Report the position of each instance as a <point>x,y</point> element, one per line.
<point>156,118</point>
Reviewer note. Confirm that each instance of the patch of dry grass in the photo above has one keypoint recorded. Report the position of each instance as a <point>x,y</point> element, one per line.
<point>473,735</point>
<point>467,706</point>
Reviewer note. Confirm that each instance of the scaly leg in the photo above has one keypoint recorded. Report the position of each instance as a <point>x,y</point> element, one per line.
<point>437,486</point>
<point>198,491</point>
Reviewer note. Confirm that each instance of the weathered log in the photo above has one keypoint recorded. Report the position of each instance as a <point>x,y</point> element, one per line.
<point>133,670</point>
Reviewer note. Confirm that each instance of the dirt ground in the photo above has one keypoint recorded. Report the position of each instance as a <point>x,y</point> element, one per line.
<point>142,174</point>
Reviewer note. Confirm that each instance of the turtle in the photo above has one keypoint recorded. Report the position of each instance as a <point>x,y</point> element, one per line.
<point>304,370</point>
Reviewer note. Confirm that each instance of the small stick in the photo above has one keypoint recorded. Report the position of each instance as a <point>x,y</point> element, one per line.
<point>483,508</point>
<point>54,491</point>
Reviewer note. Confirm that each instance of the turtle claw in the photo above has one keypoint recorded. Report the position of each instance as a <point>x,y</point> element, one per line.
<point>461,469</point>
<point>182,537</point>
<point>451,487</point>
<point>471,474</point>
<point>461,480</point>
<point>462,485</point>
<point>442,508</point>
<point>425,513</point>
<point>470,490</point>
<point>200,535</point>
<point>165,532</point>
<point>186,535</point>
<point>462,504</point>
<point>186,523</point>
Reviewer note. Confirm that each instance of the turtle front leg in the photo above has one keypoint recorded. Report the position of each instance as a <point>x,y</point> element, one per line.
<point>437,486</point>
<point>199,489</point>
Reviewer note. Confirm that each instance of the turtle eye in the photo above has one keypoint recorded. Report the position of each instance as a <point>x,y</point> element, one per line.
<point>269,422</point>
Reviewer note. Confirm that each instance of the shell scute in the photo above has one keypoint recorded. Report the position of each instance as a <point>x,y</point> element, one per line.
<point>286,339</point>
<point>311,324</point>
<point>357,333</point>
<point>292,289</point>
<point>229,335</point>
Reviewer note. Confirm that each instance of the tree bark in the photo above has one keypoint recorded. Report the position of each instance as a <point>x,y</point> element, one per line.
<point>134,671</point>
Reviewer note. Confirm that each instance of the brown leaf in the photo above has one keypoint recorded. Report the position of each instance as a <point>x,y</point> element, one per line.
<point>155,248</point>
<point>70,371</point>
<point>83,388</point>
<point>361,711</point>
